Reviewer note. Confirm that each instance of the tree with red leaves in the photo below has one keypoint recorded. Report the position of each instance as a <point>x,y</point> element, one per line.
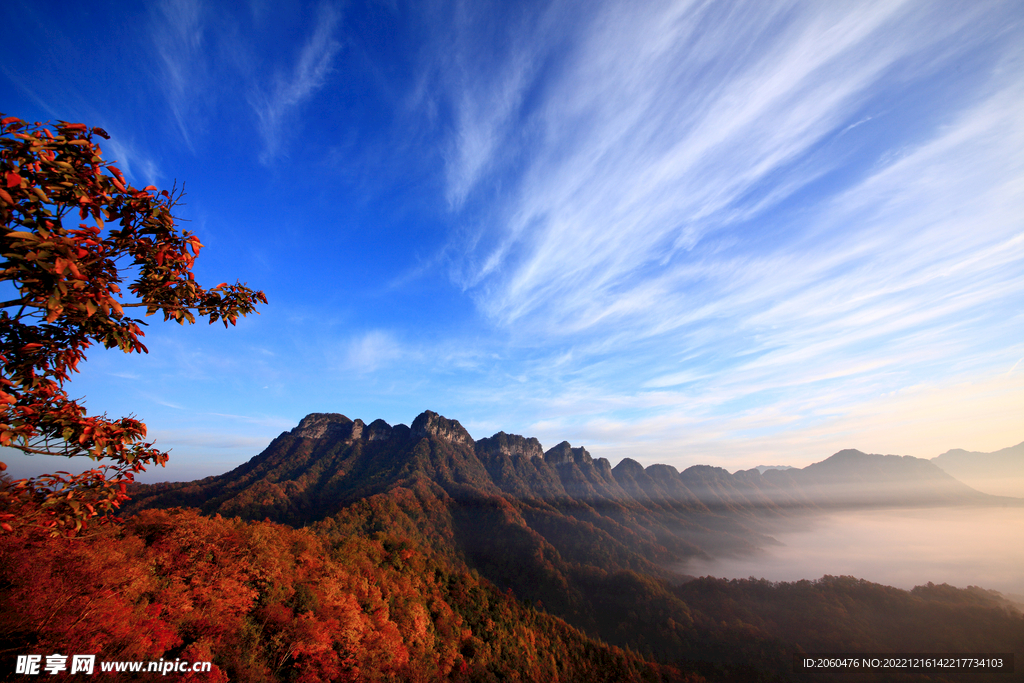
<point>62,279</point>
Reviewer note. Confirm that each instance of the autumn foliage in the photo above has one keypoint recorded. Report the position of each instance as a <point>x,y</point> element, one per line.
<point>72,230</point>
<point>265,602</point>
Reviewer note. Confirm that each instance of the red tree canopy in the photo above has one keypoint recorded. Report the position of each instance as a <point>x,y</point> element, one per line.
<point>71,230</point>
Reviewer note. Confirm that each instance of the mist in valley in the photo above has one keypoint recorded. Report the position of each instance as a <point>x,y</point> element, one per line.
<point>960,545</point>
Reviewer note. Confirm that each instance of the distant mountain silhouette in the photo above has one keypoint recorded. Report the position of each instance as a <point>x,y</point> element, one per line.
<point>764,468</point>
<point>999,473</point>
<point>854,479</point>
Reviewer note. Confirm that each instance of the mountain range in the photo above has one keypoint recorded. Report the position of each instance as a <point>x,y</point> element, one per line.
<point>648,519</point>
<point>329,460</point>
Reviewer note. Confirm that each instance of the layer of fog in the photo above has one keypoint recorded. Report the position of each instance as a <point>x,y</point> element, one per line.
<point>902,548</point>
<point>995,485</point>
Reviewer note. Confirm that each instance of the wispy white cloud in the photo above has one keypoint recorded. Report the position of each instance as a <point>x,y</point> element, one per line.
<point>720,215</point>
<point>178,29</point>
<point>289,91</point>
<point>655,134</point>
<point>160,401</point>
<point>210,440</point>
<point>127,375</point>
<point>139,166</point>
<point>371,351</point>
<point>202,62</point>
<point>482,127</point>
<point>261,420</point>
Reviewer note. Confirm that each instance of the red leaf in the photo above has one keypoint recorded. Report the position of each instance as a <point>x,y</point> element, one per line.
<point>13,179</point>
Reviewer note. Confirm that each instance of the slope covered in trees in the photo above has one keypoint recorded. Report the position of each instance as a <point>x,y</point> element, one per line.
<point>358,598</point>
<point>265,602</point>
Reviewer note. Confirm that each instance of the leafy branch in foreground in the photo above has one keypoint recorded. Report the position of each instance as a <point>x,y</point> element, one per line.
<point>71,229</point>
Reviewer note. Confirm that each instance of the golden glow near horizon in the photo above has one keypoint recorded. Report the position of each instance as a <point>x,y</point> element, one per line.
<point>924,421</point>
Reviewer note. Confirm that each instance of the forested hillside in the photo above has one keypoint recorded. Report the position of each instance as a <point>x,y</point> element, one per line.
<point>268,603</point>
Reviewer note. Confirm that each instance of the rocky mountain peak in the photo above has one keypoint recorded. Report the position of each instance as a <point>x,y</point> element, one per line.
<point>706,472</point>
<point>662,472</point>
<point>509,445</point>
<point>564,453</point>
<point>378,429</point>
<point>429,423</point>
<point>326,425</point>
<point>628,466</point>
<point>849,455</point>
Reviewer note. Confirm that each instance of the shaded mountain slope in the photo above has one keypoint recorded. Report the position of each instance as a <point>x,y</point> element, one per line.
<point>626,518</point>
<point>328,461</point>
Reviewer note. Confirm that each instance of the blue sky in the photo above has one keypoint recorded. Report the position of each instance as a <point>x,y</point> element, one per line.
<point>726,233</point>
